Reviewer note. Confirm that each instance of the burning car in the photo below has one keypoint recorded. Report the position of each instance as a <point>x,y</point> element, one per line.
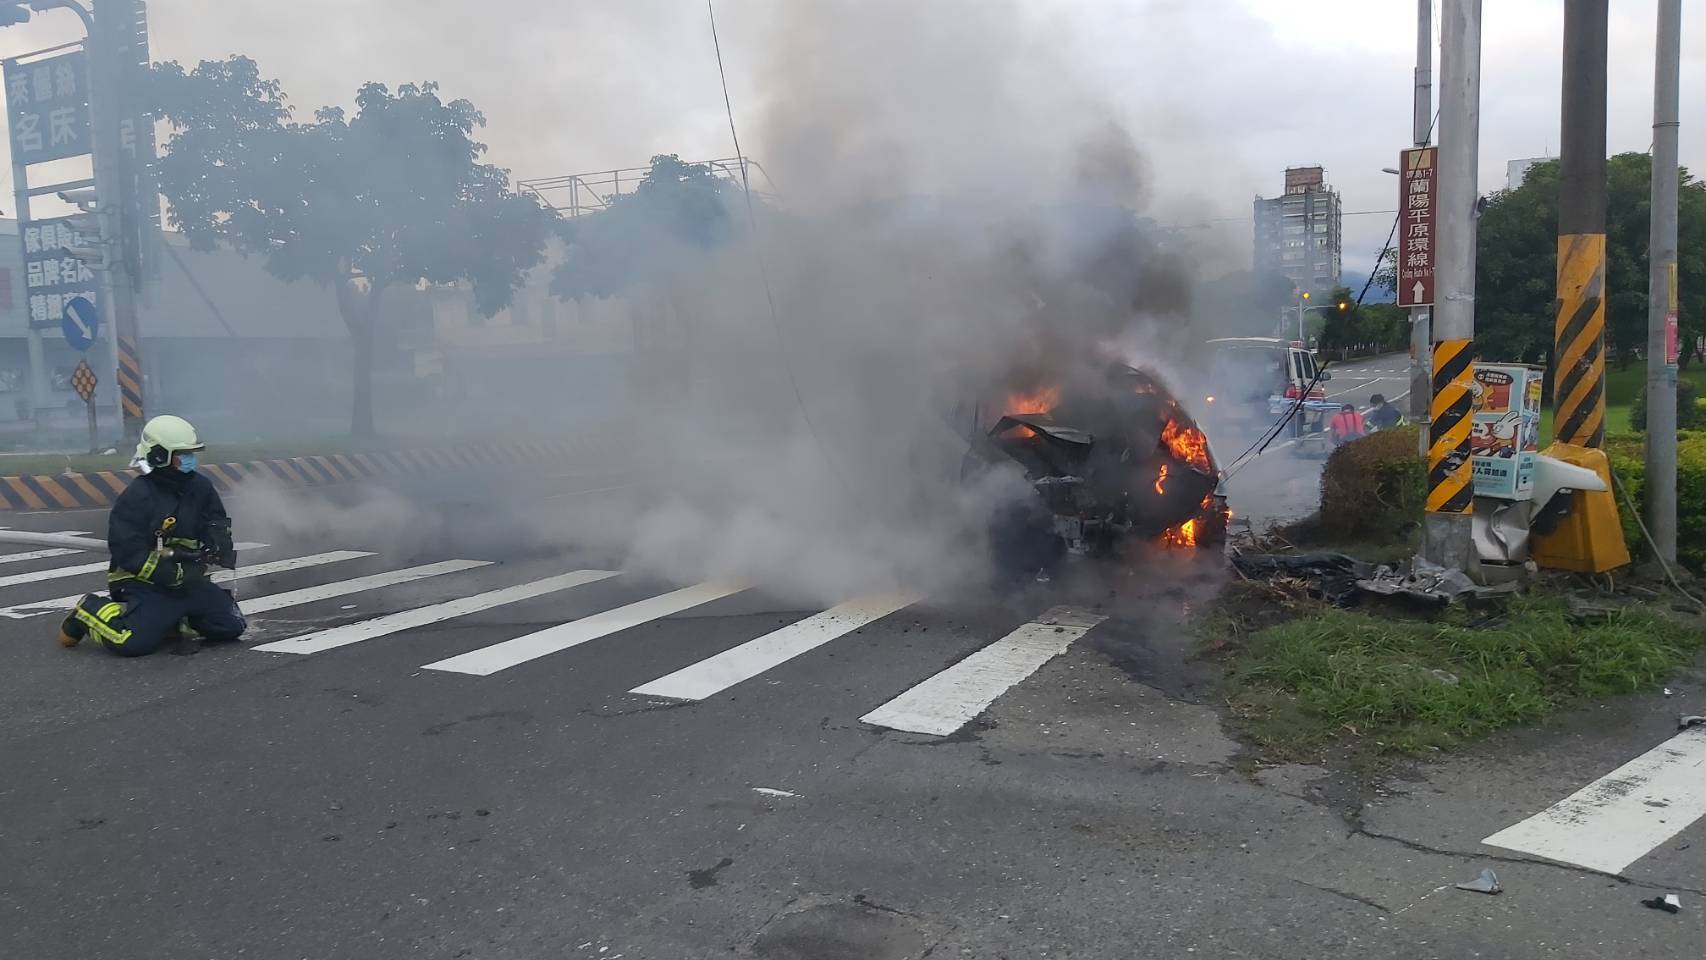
<point>1110,463</point>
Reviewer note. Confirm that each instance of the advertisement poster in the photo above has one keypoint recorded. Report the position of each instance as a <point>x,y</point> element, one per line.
<point>1506,434</point>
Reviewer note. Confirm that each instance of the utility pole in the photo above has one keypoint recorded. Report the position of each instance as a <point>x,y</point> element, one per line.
<point>1421,394</point>
<point>107,117</point>
<point>1446,537</point>
<point>1661,288</point>
<point>1578,362</point>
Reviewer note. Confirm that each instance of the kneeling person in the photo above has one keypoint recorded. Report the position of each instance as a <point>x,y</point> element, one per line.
<point>164,532</point>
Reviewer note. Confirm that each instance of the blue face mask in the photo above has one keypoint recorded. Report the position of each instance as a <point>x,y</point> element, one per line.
<point>186,462</point>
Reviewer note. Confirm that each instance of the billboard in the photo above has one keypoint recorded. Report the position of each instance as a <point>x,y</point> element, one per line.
<point>47,108</point>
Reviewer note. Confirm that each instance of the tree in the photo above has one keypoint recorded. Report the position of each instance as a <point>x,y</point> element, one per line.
<point>648,236</point>
<point>394,195</point>
<point>1516,262</point>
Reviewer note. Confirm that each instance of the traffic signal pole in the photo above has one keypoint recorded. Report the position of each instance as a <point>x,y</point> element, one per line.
<point>1446,531</point>
<point>1578,362</point>
<point>1662,334</point>
<point>105,117</point>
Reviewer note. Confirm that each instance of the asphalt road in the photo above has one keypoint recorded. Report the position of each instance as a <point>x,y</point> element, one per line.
<point>355,781</point>
<point>1283,482</point>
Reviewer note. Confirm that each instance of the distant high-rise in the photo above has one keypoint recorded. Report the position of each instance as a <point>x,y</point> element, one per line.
<point>1516,170</point>
<point>1299,233</point>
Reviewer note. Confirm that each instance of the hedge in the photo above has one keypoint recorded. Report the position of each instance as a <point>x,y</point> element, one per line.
<point>1375,488</point>
<point>1628,461</point>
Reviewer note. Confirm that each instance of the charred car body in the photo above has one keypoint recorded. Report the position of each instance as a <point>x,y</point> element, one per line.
<point>1111,463</point>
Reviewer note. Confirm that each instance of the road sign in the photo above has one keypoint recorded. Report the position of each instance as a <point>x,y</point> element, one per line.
<point>1417,242</point>
<point>81,323</point>
<point>47,102</point>
<point>83,380</point>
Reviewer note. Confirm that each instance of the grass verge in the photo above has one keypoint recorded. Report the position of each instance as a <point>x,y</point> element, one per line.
<point>1327,678</point>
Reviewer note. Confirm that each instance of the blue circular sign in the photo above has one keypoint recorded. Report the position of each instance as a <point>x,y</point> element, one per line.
<point>81,323</point>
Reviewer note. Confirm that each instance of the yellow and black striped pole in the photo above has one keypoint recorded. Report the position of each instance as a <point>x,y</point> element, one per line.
<point>130,385</point>
<point>1578,389</point>
<point>1578,358</point>
<point>1451,484</point>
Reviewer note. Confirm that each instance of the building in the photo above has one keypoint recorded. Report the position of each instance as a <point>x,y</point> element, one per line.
<point>1516,170</point>
<point>1299,234</point>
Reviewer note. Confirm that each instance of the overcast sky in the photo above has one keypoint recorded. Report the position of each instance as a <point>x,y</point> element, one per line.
<point>1219,95</point>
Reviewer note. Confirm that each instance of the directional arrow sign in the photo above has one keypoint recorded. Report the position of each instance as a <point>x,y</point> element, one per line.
<point>81,323</point>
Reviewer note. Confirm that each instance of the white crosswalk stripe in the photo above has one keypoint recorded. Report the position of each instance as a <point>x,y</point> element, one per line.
<point>37,608</point>
<point>718,673</point>
<point>951,699</point>
<point>57,573</point>
<point>501,656</point>
<point>343,588</point>
<point>331,639</point>
<point>1619,818</point>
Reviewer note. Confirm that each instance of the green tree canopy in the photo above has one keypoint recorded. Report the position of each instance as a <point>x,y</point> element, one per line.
<point>394,194</point>
<point>677,211</point>
<point>1517,262</point>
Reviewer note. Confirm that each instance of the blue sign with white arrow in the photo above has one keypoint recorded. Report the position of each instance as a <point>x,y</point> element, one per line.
<point>82,325</point>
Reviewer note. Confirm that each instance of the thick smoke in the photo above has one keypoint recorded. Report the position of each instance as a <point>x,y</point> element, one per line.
<point>958,217</point>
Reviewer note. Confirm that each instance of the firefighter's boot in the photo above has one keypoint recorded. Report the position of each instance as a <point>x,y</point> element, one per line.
<point>94,614</point>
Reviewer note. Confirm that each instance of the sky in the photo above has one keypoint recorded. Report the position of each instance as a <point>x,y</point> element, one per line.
<point>1219,95</point>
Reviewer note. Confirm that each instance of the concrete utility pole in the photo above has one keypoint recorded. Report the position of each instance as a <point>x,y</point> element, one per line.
<point>1578,362</point>
<point>1446,534</point>
<point>107,117</point>
<point>1421,394</point>
<point>1661,288</point>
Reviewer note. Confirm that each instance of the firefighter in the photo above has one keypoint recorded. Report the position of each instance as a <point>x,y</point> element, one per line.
<point>164,532</point>
<point>1384,416</point>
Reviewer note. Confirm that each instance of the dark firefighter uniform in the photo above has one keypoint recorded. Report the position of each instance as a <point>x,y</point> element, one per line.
<point>164,533</point>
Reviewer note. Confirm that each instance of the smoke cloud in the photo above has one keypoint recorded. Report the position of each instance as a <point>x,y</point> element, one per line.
<point>958,217</point>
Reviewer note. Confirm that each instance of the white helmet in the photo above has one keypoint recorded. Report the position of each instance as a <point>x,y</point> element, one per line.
<point>162,437</point>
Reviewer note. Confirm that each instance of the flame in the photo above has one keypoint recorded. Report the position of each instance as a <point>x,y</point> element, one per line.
<point>1188,444</point>
<point>1187,533</point>
<point>1040,400</point>
<point>1160,482</point>
<point>1183,535</point>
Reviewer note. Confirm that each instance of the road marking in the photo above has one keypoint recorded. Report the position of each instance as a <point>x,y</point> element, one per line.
<point>334,637</point>
<point>951,699</point>
<point>716,674</point>
<point>60,605</point>
<point>501,656</point>
<point>1619,818</point>
<point>56,573</point>
<point>344,588</point>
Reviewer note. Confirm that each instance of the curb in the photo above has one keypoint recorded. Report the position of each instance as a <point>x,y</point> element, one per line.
<point>79,491</point>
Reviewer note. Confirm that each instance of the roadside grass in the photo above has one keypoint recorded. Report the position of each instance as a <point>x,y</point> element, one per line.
<point>1621,387</point>
<point>1383,686</point>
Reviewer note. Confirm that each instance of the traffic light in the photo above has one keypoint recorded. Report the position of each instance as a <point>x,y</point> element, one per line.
<point>11,13</point>
<point>88,225</point>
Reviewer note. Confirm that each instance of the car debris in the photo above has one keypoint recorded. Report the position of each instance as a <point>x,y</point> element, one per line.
<point>1341,578</point>
<point>1669,903</point>
<point>1487,882</point>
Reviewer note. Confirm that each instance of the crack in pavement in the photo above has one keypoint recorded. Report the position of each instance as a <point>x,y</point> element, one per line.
<point>1358,830</point>
<point>1355,898</point>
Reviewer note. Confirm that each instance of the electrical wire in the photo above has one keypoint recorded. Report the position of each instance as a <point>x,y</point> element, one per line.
<point>1260,446</point>
<point>762,261</point>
